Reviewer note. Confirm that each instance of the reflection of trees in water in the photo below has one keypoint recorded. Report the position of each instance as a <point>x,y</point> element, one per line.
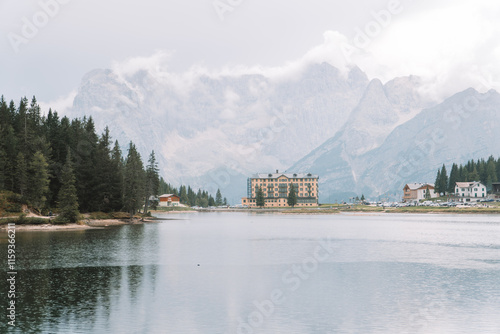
<point>110,267</point>
<point>64,298</point>
<point>73,299</point>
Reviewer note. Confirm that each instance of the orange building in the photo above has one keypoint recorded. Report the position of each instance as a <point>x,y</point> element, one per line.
<point>169,200</point>
<point>276,187</point>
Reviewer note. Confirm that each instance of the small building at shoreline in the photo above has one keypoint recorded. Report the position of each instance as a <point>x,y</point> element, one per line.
<point>167,200</point>
<point>276,187</point>
<point>414,192</point>
<point>470,191</point>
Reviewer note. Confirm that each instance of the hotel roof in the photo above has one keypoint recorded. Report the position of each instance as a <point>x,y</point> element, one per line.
<point>288,175</point>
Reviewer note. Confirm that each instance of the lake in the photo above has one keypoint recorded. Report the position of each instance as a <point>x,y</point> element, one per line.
<point>262,273</point>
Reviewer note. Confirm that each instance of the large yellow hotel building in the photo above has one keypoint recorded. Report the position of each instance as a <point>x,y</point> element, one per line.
<point>276,187</point>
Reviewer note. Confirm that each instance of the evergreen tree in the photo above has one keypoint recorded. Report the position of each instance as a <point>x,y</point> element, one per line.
<point>21,174</point>
<point>211,201</point>
<point>3,157</point>
<point>259,198</point>
<point>218,198</point>
<point>427,193</point>
<point>85,166</point>
<point>437,183</point>
<point>474,175</point>
<point>191,196</point>
<point>133,181</point>
<point>225,202</point>
<point>68,199</point>
<point>152,180</point>
<point>10,148</point>
<point>443,181</point>
<point>362,198</point>
<point>454,178</point>
<point>491,171</point>
<point>292,196</point>
<point>116,183</point>
<point>497,167</point>
<point>183,195</point>
<point>39,181</point>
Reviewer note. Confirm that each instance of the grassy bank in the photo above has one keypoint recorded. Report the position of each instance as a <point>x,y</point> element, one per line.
<point>172,209</point>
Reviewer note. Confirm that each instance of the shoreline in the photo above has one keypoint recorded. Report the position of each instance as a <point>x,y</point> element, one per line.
<point>88,224</point>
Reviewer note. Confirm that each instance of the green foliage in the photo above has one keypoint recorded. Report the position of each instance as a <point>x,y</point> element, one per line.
<point>218,198</point>
<point>101,215</point>
<point>120,215</point>
<point>21,176</point>
<point>100,172</point>
<point>23,220</point>
<point>292,196</point>
<point>152,183</point>
<point>484,171</point>
<point>134,178</point>
<point>38,180</point>
<point>68,200</point>
<point>259,198</point>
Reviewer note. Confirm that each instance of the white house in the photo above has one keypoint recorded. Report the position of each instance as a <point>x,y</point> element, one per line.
<point>470,191</point>
<point>413,192</point>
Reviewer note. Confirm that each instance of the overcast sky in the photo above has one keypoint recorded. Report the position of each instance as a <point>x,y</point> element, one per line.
<point>48,45</point>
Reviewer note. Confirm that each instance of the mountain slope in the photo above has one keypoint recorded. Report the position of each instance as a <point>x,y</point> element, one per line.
<point>207,129</point>
<point>460,128</point>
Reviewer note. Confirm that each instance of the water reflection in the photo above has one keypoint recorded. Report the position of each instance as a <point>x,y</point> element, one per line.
<point>238,273</point>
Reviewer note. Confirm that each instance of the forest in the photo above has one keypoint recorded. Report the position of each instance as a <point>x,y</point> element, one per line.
<point>486,171</point>
<point>54,164</point>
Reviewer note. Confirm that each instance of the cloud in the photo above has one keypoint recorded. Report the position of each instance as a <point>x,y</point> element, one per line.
<point>451,48</point>
<point>62,104</point>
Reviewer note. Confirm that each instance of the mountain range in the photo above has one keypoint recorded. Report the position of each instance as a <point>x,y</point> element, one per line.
<point>359,135</point>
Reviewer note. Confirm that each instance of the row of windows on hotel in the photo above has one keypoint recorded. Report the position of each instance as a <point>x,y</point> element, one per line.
<point>299,200</point>
<point>284,180</point>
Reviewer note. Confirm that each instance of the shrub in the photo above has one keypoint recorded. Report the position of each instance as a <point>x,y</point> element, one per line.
<point>100,215</point>
<point>120,215</point>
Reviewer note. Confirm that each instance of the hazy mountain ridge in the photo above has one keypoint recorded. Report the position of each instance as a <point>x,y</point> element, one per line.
<point>214,131</point>
<point>237,125</point>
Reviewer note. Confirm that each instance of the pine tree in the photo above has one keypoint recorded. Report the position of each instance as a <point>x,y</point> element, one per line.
<point>454,178</point>
<point>133,181</point>
<point>21,174</point>
<point>474,175</point>
<point>259,198</point>
<point>191,196</point>
<point>116,183</point>
<point>3,157</point>
<point>362,198</point>
<point>437,183</point>
<point>152,180</point>
<point>292,196</point>
<point>211,201</point>
<point>38,175</point>
<point>68,199</point>
<point>427,193</point>
<point>85,167</point>
<point>218,198</point>
<point>443,181</point>
<point>183,195</point>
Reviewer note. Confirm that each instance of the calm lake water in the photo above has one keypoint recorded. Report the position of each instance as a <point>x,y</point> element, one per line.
<point>262,273</point>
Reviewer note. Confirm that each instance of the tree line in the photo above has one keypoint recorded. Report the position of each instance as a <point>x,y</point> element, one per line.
<point>486,171</point>
<point>53,162</point>
<point>189,197</point>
